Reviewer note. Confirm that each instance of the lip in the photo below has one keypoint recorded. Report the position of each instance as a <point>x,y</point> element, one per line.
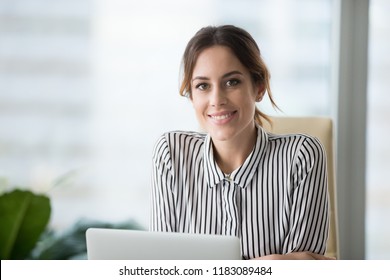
<point>222,117</point>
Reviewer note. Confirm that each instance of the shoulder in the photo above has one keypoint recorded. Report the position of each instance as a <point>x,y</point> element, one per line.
<point>178,141</point>
<point>298,143</point>
<point>180,138</point>
<point>293,138</point>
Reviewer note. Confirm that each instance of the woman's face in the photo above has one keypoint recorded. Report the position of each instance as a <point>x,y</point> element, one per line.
<point>223,95</point>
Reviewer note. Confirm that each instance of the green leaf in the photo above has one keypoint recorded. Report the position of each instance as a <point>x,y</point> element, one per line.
<point>71,244</point>
<point>23,217</point>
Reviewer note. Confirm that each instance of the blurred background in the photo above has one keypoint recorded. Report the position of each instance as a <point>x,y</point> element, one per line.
<point>87,86</point>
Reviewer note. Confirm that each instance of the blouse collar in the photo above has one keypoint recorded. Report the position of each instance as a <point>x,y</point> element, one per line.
<point>243,175</point>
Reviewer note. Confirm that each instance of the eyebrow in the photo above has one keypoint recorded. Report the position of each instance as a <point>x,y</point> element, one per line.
<point>235,72</point>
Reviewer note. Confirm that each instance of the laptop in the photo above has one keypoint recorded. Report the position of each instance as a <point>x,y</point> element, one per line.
<point>124,244</point>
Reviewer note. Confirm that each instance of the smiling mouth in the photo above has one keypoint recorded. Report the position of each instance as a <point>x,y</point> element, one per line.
<point>222,117</point>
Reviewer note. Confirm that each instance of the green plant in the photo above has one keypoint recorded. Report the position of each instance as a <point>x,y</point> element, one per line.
<point>24,216</point>
<point>71,243</point>
<point>24,231</point>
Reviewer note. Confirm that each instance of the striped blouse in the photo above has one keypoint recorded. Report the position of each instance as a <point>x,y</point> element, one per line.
<point>276,202</point>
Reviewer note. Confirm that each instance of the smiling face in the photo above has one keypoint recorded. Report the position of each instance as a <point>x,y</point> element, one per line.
<point>223,95</point>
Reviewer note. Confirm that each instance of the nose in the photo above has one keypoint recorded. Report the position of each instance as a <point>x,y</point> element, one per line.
<point>218,97</point>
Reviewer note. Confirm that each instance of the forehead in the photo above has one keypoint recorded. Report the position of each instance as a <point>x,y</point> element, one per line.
<point>217,60</point>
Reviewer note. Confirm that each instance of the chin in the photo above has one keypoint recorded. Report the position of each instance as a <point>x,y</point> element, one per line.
<point>221,135</point>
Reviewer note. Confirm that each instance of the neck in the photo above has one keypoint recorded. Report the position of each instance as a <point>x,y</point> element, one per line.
<point>232,154</point>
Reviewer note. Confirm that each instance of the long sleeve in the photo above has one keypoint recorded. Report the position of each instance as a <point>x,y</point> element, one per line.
<point>162,197</point>
<point>309,217</point>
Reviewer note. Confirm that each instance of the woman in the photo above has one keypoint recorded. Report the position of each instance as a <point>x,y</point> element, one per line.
<point>237,179</point>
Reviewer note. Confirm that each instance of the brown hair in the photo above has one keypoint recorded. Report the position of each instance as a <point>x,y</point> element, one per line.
<point>243,46</point>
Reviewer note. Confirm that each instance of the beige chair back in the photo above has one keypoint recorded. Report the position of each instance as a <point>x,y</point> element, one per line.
<point>322,128</point>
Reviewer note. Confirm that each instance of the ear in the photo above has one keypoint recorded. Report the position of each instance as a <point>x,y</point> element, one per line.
<point>260,91</point>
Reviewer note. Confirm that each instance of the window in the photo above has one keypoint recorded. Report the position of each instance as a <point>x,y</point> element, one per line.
<point>86,88</point>
<point>378,150</point>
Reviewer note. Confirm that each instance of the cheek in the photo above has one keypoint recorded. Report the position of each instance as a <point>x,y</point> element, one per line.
<point>198,104</point>
<point>250,105</point>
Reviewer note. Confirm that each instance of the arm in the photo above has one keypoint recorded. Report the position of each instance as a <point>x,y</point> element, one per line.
<point>308,221</point>
<point>162,198</point>
<point>296,256</point>
<point>309,217</point>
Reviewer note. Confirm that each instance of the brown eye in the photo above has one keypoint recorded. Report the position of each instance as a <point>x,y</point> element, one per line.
<point>232,83</point>
<point>202,86</point>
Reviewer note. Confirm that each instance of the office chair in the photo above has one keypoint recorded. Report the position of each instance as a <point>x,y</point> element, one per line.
<point>322,128</point>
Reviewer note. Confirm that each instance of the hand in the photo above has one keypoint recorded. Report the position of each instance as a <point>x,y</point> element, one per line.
<point>296,256</point>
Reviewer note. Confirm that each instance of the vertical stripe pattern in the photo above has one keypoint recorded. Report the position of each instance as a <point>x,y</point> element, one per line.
<point>276,202</point>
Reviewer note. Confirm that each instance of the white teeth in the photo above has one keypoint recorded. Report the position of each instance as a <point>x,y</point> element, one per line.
<point>222,117</point>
